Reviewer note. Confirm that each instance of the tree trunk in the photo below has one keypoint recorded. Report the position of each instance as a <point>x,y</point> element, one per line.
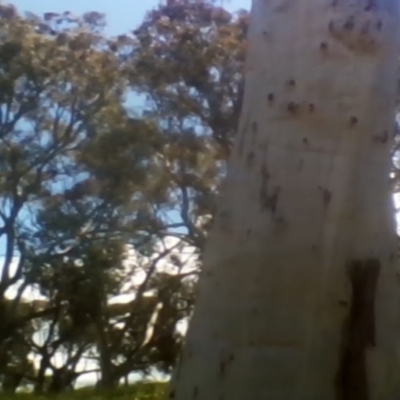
<point>40,380</point>
<point>107,378</point>
<point>299,297</point>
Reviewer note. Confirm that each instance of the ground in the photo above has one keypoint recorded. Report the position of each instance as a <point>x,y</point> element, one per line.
<point>147,391</point>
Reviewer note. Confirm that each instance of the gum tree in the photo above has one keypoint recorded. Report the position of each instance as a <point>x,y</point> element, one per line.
<point>299,295</point>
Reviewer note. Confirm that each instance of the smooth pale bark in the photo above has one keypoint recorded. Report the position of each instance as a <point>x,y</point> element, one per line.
<point>299,297</point>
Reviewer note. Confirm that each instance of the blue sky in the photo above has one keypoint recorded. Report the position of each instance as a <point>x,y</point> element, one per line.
<point>122,15</point>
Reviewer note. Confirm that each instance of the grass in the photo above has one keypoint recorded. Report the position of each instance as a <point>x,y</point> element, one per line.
<point>141,391</point>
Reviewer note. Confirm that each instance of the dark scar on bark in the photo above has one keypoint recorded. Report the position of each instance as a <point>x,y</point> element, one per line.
<point>264,184</point>
<point>268,201</point>
<point>358,331</point>
<point>195,392</point>
<point>250,159</point>
<point>242,136</point>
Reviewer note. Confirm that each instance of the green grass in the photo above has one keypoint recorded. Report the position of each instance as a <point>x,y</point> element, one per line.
<point>141,391</point>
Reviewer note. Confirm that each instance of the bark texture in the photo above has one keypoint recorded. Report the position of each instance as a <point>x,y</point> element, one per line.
<point>299,298</point>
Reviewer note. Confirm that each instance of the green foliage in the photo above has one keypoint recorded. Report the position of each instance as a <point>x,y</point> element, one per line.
<point>188,59</point>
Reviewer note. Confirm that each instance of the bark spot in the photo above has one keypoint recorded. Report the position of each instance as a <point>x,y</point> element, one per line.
<point>271,97</point>
<point>358,331</point>
<point>349,24</point>
<point>305,140</point>
<point>323,46</point>
<point>226,360</point>
<point>291,83</point>
<point>250,159</point>
<point>283,6</point>
<point>292,107</point>
<point>353,120</point>
<point>327,197</point>
<point>382,138</point>
<point>357,32</point>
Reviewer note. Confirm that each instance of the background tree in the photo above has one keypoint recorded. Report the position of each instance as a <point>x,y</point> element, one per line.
<point>45,109</point>
<point>81,179</point>
<point>187,61</point>
<point>62,94</point>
